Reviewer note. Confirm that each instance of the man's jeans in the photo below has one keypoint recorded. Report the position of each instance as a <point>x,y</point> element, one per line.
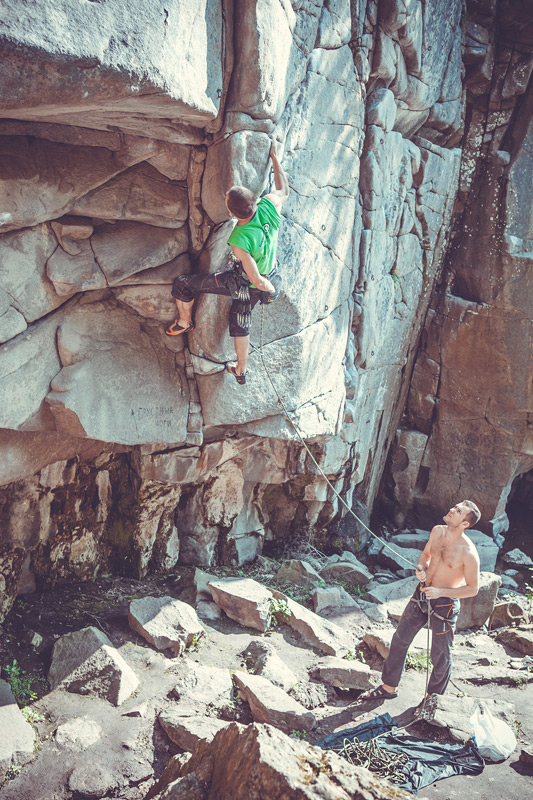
<point>413,619</point>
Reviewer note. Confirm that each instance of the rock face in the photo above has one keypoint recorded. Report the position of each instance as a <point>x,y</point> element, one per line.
<point>121,127</point>
<point>239,757</point>
<point>468,428</point>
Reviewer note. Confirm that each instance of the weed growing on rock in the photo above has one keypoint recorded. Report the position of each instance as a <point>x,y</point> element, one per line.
<point>298,692</point>
<point>355,590</point>
<point>32,716</point>
<point>193,647</point>
<point>521,680</point>
<point>353,655</point>
<point>22,683</point>
<point>280,612</point>
<point>299,734</point>
<point>417,661</point>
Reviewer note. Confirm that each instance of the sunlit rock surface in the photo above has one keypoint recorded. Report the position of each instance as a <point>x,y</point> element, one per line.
<point>120,131</point>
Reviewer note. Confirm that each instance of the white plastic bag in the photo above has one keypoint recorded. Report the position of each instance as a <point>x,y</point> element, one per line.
<point>493,738</point>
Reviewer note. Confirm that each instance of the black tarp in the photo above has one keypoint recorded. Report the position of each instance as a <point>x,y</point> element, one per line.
<point>428,761</point>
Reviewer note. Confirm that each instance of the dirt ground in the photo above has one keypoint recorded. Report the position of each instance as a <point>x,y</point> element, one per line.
<point>104,604</point>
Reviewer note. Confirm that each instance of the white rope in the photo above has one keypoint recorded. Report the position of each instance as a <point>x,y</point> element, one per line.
<point>317,465</point>
<point>352,512</point>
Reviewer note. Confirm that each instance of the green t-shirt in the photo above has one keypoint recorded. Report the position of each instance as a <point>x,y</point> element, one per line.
<point>259,237</point>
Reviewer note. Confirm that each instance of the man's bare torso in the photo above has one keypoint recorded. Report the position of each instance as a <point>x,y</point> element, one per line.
<point>446,567</point>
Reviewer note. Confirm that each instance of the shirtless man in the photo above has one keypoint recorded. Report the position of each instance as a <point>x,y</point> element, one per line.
<point>448,569</point>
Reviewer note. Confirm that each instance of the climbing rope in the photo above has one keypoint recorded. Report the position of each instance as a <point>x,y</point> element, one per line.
<point>382,763</point>
<point>420,711</point>
<point>313,459</point>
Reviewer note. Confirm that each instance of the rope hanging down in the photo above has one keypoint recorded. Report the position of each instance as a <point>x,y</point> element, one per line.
<point>350,511</point>
<point>315,462</point>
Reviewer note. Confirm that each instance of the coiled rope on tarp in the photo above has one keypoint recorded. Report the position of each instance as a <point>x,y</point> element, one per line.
<point>383,763</point>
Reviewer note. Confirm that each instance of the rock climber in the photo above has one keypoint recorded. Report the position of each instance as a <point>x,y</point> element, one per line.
<point>254,276</point>
<point>448,569</point>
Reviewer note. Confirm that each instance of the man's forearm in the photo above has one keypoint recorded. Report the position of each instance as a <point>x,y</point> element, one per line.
<point>280,179</point>
<point>264,284</point>
<point>423,561</point>
<point>460,592</point>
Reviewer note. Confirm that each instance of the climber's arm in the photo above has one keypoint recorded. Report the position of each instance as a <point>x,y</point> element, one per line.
<point>250,267</point>
<point>281,192</point>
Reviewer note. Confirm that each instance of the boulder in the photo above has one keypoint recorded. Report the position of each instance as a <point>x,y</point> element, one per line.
<point>166,623</point>
<point>517,558</point>
<point>375,613</point>
<point>199,683</point>
<point>381,641</point>
<point>357,575</point>
<point>78,734</point>
<point>483,660</point>
<point>394,608</point>
<point>92,780</point>
<point>508,584</point>
<point>332,597</point>
<point>507,613</point>
<point>319,633</point>
<point>310,695</point>
<point>269,703</point>
<point>415,539</point>
<point>298,572</point>
<point>395,590</point>
<point>487,549</point>
<point>448,711</point>
<point>475,611</point>
<point>186,732</point>
<point>187,788</point>
<point>279,766</point>
<point>266,662</point>
<point>244,600</point>
<point>208,611</point>
<point>520,639</point>
<point>398,557</point>
<point>17,741</point>
<point>85,662</point>
<point>345,674</point>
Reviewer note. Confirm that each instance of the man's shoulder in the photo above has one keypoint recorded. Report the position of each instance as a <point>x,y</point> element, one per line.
<point>268,207</point>
<point>471,547</point>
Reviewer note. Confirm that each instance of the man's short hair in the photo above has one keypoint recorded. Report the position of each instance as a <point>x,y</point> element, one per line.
<point>474,513</point>
<point>241,202</point>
